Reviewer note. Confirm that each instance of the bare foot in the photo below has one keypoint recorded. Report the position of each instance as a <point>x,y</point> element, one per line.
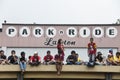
<point>58,73</point>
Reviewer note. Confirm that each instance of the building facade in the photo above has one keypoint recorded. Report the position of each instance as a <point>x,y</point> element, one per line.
<point>43,37</point>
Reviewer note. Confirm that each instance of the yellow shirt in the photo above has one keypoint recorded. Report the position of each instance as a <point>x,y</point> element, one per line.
<point>78,60</point>
<point>117,58</point>
<point>111,59</point>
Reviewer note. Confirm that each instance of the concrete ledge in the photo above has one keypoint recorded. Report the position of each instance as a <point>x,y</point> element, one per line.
<point>66,68</point>
<point>68,71</point>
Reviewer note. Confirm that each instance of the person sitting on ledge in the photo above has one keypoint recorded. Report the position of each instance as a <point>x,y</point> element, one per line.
<point>110,59</point>
<point>13,59</point>
<point>117,58</point>
<point>79,61</point>
<point>29,57</point>
<point>59,62</point>
<point>48,59</point>
<point>72,59</point>
<point>22,62</point>
<point>35,60</point>
<point>3,59</point>
<point>99,59</point>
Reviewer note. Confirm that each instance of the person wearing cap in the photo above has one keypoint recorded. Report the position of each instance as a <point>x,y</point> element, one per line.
<point>22,62</point>
<point>72,59</point>
<point>92,50</point>
<point>111,51</point>
<point>99,59</point>
<point>48,59</point>
<point>13,59</point>
<point>35,60</point>
<point>110,59</point>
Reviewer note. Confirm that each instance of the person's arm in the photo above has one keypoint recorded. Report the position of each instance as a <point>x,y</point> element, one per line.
<point>39,59</point>
<point>95,47</point>
<point>44,58</point>
<point>62,47</point>
<point>31,59</point>
<point>51,58</point>
<point>88,46</point>
<point>9,58</point>
<point>67,60</point>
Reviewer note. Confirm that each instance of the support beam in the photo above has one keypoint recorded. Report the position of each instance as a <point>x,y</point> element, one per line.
<point>108,76</point>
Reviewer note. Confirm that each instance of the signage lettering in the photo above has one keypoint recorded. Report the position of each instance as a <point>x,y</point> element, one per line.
<point>71,32</point>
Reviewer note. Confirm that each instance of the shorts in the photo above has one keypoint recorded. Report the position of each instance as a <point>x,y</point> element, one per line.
<point>59,63</point>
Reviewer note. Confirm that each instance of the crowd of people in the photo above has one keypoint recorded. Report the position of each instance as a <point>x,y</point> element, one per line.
<point>72,59</point>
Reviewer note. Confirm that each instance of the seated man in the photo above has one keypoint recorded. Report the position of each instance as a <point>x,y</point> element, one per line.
<point>35,60</point>
<point>48,59</point>
<point>13,59</point>
<point>117,58</point>
<point>110,60</point>
<point>3,59</point>
<point>72,59</point>
<point>99,59</point>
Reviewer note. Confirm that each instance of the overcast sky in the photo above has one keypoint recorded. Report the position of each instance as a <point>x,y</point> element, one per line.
<point>60,11</point>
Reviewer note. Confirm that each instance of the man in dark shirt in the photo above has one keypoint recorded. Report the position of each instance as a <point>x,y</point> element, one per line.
<point>3,59</point>
<point>72,59</point>
<point>13,59</point>
<point>22,62</point>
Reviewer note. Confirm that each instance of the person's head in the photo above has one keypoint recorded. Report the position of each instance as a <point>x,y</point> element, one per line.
<point>73,53</point>
<point>111,51</point>
<point>35,54</point>
<point>59,41</point>
<point>1,52</point>
<point>23,54</point>
<point>91,39</point>
<point>29,57</point>
<point>99,53</point>
<point>13,52</point>
<point>48,52</point>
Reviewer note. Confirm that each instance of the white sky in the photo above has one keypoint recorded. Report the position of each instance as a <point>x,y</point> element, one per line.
<point>60,11</point>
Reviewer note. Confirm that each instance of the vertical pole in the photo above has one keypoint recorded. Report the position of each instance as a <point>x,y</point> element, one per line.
<point>18,76</point>
<point>108,76</point>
